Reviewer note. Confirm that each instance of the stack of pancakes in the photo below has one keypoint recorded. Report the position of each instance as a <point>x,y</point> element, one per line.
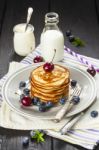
<point>50,86</point>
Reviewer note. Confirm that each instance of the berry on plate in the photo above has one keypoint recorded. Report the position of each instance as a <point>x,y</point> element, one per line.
<point>42,108</point>
<point>26,101</point>
<point>62,101</point>
<point>73,83</point>
<point>26,91</point>
<point>49,104</point>
<point>35,100</point>
<point>22,84</point>
<point>76,99</point>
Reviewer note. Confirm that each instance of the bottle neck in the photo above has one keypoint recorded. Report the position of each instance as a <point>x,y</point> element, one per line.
<point>51,26</point>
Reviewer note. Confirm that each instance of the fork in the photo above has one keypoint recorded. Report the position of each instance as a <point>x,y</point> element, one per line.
<point>68,105</point>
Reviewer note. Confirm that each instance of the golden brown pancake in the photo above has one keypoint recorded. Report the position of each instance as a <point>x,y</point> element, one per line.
<point>50,86</point>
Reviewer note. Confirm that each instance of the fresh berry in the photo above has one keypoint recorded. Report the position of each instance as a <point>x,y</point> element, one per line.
<point>26,91</point>
<point>71,38</point>
<point>62,101</point>
<point>73,83</point>
<point>26,101</point>
<point>92,71</point>
<point>32,133</point>
<point>35,100</point>
<point>42,108</point>
<point>41,103</point>
<point>68,32</point>
<point>75,99</point>
<point>25,141</point>
<point>48,67</point>
<point>38,59</point>
<point>49,104</point>
<point>94,113</point>
<point>22,84</point>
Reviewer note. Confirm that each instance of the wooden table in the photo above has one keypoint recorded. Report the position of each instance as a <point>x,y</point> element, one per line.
<point>80,16</point>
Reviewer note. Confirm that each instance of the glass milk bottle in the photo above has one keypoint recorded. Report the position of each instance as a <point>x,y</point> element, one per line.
<point>24,41</point>
<point>52,38</point>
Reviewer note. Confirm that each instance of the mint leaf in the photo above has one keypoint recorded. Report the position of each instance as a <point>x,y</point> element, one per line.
<point>39,137</point>
<point>78,42</point>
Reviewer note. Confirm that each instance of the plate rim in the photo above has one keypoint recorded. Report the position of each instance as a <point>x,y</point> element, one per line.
<point>36,65</point>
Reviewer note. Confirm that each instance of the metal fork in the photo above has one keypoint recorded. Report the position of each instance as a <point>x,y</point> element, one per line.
<point>67,106</point>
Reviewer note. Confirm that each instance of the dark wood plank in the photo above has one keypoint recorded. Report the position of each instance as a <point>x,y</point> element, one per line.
<point>16,12</point>
<point>81,18</point>
<point>12,140</point>
<point>2,13</point>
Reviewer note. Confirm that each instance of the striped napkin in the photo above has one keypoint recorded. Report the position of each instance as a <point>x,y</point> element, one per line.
<point>85,133</point>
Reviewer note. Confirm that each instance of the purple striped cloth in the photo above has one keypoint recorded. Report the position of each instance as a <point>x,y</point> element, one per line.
<point>82,135</point>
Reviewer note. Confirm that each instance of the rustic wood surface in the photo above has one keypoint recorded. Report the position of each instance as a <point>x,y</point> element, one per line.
<point>82,17</point>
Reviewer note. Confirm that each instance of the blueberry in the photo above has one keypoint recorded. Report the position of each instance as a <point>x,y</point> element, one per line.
<point>32,133</point>
<point>26,91</point>
<point>49,104</point>
<point>42,108</point>
<point>76,99</point>
<point>71,38</point>
<point>62,101</point>
<point>94,113</point>
<point>22,84</point>
<point>35,100</point>
<point>25,141</point>
<point>68,32</point>
<point>41,103</point>
<point>73,83</point>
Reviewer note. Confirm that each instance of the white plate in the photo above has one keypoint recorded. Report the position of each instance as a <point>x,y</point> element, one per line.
<point>86,81</point>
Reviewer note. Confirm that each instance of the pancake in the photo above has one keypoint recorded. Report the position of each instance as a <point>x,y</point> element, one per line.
<point>50,86</point>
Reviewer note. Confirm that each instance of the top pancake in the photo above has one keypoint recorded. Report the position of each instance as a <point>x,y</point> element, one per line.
<point>58,77</point>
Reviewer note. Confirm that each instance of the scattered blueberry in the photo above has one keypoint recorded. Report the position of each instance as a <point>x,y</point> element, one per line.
<point>92,71</point>
<point>42,108</point>
<point>26,91</point>
<point>68,32</point>
<point>71,38</point>
<point>62,101</point>
<point>38,59</point>
<point>76,99</point>
<point>73,83</point>
<point>22,84</point>
<point>94,113</point>
<point>49,104</point>
<point>35,100</point>
<point>32,133</point>
<point>25,141</point>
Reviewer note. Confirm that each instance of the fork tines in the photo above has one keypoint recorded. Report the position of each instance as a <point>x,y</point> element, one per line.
<point>68,105</point>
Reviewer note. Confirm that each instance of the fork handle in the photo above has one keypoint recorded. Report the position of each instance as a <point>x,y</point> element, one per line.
<point>69,125</point>
<point>62,112</point>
